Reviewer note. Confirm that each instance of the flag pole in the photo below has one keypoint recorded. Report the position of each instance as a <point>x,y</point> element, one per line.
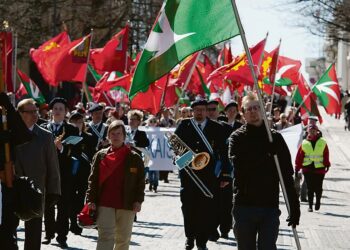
<point>87,68</point>
<point>187,83</point>
<point>103,92</point>
<point>162,104</point>
<point>274,80</point>
<point>251,66</point>
<point>14,61</point>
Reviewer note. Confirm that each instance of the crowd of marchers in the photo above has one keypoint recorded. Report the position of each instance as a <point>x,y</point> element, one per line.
<point>91,159</point>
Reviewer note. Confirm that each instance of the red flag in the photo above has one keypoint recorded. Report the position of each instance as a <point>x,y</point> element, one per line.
<point>6,59</point>
<point>112,57</point>
<point>225,56</point>
<point>274,64</point>
<point>238,70</point>
<point>110,80</point>
<point>151,99</point>
<point>21,92</point>
<point>66,63</point>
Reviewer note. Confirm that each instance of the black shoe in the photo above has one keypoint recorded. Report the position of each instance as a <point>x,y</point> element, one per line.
<point>303,199</point>
<point>213,238</point>
<point>202,248</point>
<point>47,241</point>
<point>155,190</point>
<point>317,205</point>
<point>189,243</point>
<point>150,187</point>
<point>166,181</point>
<point>310,209</point>
<point>62,244</point>
<point>224,235</point>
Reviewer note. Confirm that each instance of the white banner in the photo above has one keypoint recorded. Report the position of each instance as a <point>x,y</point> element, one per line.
<point>161,157</point>
<point>293,137</point>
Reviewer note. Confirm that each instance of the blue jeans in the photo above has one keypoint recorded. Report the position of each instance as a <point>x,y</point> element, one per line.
<point>153,177</point>
<point>252,222</point>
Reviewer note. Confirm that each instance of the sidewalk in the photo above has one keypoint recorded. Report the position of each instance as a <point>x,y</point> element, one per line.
<point>160,224</point>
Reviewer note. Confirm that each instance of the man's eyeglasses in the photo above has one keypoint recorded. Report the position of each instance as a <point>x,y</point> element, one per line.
<point>32,112</point>
<point>153,121</point>
<point>252,108</point>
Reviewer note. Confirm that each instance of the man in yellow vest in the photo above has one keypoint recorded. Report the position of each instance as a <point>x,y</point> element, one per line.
<point>313,159</point>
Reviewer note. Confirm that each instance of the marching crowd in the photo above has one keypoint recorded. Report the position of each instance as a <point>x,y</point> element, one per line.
<point>92,159</point>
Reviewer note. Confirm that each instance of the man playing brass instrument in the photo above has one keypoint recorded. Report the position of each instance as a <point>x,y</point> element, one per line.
<point>201,134</point>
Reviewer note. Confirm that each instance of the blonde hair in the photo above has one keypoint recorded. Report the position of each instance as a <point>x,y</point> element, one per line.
<point>24,102</point>
<point>135,112</point>
<point>250,97</point>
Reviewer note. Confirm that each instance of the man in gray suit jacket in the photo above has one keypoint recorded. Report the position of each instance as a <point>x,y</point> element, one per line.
<point>38,160</point>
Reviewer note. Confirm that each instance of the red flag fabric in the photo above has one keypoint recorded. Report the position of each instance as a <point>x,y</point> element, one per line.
<point>21,92</point>
<point>112,57</point>
<point>67,63</point>
<point>225,56</point>
<point>274,64</point>
<point>6,59</point>
<point>151,99</point>
<point>110,80</point>
<point>45,55</point>
<point>238,70</point>
<point>303,92</point>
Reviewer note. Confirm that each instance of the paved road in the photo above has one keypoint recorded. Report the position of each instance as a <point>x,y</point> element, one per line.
<point>160,224</point>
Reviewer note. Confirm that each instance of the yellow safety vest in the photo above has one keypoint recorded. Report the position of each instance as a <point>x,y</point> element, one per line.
<point>314,155</point>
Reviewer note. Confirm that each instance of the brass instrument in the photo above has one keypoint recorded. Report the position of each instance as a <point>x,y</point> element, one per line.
<point>198,161</point>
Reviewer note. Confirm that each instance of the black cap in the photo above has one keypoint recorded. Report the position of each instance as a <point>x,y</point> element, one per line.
<point>57,100</point>
<point>75,115</point>
<point>231,104</point>
<point>198,103</point>
<point>95,107</point>
<point>213,102</point>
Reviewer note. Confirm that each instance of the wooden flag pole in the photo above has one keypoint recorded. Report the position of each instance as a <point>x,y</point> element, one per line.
<point>87,66</point>
<point>7,174</point>
<point>251,66</point>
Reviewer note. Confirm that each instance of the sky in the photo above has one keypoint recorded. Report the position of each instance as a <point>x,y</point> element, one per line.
<point>259,17</point>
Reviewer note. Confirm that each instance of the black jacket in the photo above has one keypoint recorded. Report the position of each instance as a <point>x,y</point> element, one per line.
<point>214,135</point>
<point>256,180</point>
<point>141,139</point>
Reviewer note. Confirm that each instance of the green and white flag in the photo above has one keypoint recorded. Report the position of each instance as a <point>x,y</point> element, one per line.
<point>31,88</point>
<point>182,28</point>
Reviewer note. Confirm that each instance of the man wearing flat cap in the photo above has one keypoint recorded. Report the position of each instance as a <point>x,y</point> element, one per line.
<point>60,130</point>
<point>202,135</point>
<point>231,110</point>
<point>96,127</point>
<point>224,217</point>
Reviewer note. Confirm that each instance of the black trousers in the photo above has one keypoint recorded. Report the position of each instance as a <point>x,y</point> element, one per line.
<point>79,187</point>
<point>199,215</point>
<point>8,235</point>
<point>314,184</point>
<point>225,209</point>
<point>59,224</point>
<point>32,234</point>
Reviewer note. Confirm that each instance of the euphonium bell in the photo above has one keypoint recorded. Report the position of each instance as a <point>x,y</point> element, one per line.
<point>200,161</point>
